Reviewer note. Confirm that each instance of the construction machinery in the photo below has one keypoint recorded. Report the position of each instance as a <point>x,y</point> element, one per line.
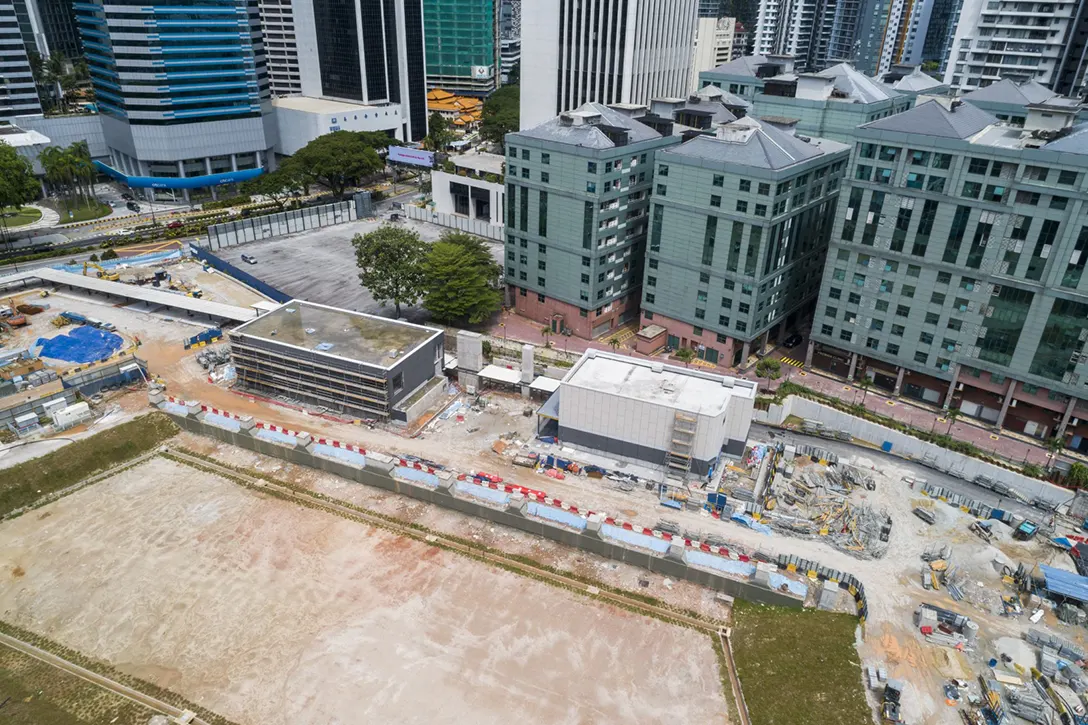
<point>12,316</point>
<point>1066,714</point>
<point>102,274</point>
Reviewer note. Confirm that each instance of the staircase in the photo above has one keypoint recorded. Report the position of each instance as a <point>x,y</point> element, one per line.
<point>681,446</point>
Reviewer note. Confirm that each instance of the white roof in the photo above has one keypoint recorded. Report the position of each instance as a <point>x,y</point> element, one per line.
<point>144,294</point>
<point>548,385</point>
<point>500,374</point>
<point>650,381</point>
<point>481,162</point>
<point>319,105</point>
<point>19,137</point>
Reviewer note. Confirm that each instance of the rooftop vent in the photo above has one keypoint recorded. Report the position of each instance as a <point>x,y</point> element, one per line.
<point>657,368</point>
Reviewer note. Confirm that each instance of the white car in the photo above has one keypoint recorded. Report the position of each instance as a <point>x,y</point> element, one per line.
<point>124,232</point>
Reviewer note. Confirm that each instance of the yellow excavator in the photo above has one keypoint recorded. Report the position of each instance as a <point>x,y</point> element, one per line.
<point>102,274</point>
<point>1066,714</point>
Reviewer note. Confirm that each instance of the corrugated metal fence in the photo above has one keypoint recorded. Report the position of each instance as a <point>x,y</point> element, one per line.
<point>279,225</point>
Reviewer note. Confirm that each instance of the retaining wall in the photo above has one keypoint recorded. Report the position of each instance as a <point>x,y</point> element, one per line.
<point>472,226</point>
<point>907,446</point>
<point>755,579</point>
<point>239,274</point>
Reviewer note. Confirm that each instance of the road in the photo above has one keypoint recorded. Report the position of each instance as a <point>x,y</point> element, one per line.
<point>760,432</point>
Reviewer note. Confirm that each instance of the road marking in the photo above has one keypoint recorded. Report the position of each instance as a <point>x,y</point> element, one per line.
<point>993,437</point>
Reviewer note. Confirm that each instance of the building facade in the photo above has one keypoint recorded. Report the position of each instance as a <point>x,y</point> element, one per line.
<point>956,268</point>
<point>577,199</point>
<point>714,45</point>
<point>799,28</point>
<point>891,32</point>
<point>462,45</point>
<point>740,222</point>
<point>369,52</point>
<point>1019,41</point>
<point>611,51</point>
<point>19,38</point>
<point>281,47</point>
<point>57,21</point>
<point>182,92</point>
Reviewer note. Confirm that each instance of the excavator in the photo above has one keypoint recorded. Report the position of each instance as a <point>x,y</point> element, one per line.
<point>1066,714</point>
<point>16,318</point>
<point>102,274</point>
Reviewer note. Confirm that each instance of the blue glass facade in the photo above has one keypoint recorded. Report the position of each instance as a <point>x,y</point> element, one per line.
<point>182,85</point>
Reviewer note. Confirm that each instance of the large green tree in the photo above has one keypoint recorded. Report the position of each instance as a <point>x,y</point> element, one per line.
<point>462,280</point>
<point>439,133</point>
<point>69,171</point>
<point>17,183</point>
<point>501,114</point>
<point>277,186</point>
<point>337,160</point>
<point>377,140</point>
<point>390,261</point>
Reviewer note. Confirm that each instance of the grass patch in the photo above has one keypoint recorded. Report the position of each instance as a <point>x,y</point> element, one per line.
<point>22,485</point>
<point>20,217</point>
<point>798,666</point>
<point>82,211</point>
<point>44,695</point>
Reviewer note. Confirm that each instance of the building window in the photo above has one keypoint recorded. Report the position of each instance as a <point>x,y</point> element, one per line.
<point>978,166</point>
<point>541,264</point>
<point>662,170</point>
<point>744,185</point>
<point>591,167</point>
<point>591,187</point>
<point>661,190</point>
<point>898,330</point>
<point>826,330</point>
<point>1067,178</point>
<point>846,335</point>
<point>649,298</point>
<point>942,161</point>
<point>704,278</point>
<point>1027,197</point>
<point>932,318</point>
<point>1058,202</point>
<point>545,159</point>
<point>545,177</point>
<point>651,281</point>
<point>652,264</point>
<point>585,279</point>
<point>700,314</point>
<point>723,321</point>
<point>935,184</point>
<point>764,189</point>
<point>926,338</point>
<point>995,194</point>
<point>742,326</point>
<point>648,315</point>
<point>513,152</point>
<point>542,223</point>
<point>715,200</point>
<point>742,207</point>
<point>834,293</point>
<point>921,357</point>
<point>525,172</point>
<point>971,189</point>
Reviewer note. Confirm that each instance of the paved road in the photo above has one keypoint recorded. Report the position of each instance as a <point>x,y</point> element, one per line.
<point>956,485</point>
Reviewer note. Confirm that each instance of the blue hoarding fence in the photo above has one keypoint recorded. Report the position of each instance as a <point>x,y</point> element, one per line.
<point>244,277</point>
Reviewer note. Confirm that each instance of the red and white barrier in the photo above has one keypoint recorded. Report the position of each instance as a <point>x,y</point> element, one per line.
<point>337,444</point>
<point>405,463</point>
<point>217,411</point>
<point>279,429</point>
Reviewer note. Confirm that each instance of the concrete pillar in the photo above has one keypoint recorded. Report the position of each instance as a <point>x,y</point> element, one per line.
<point>1065,418</point>
<point>1005,403</point>
<point>853,366</point>
<point>208,171</point>
<point>528,369</point>
<point>809,353</point>
<point>952,386</point>
<point>233,162</point>
<point>899,381</point>
<point>745,352</point>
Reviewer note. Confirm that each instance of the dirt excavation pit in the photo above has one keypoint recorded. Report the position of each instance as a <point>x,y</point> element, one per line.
<point>267,612</point>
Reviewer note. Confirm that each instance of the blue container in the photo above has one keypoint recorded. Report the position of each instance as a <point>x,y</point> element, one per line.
<point>886,446</point>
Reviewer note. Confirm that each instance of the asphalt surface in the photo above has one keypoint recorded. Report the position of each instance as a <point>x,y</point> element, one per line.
<point>319,265</point>
<point>761,432</point>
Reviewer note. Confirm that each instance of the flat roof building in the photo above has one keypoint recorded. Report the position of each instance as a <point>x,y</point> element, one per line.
<point>348,362</point>
<point>678,418</point>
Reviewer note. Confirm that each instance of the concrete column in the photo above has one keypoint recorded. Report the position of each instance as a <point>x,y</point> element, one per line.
<point>853,366</point>
<point>899,381</point>
<point>208,170</point>
<point>952,386</point>
<point>809,352</point>
<point>1005,403</point>
<point>745,352</point>
<point>233,162</point>
<point>1065,418</point>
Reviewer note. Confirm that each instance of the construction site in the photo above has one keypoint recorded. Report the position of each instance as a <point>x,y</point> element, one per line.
<point>969,596</point>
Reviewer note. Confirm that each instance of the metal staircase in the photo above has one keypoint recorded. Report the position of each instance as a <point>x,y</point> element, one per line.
<point>681,446</point>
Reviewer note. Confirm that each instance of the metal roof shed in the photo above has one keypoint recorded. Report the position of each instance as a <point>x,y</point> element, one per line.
<point>1065,583</point>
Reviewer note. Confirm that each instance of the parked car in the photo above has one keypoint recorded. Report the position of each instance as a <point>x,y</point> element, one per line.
<point>177,223</point>
<point>133,206</point>
<point>124,232</point>
<point>793,340</point>
<point>248,259</point>
<point>127,197</point>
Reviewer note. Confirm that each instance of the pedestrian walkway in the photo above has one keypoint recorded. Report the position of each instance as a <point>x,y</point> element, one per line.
<point>790,361</point>
<point>48,219</point>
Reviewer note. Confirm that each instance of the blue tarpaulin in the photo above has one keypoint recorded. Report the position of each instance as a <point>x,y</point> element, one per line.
<point>1065,583</point>
<point>82,345</point>
<point>751,523</point>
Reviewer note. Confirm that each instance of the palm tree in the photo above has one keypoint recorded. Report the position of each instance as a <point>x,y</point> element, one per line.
<point>1054,446</point>
<point>614,342</point>
<point>545,332</point>
<point>952,414</point>
<point>865,383</point>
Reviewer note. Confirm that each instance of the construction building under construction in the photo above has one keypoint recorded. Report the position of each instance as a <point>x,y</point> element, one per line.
<point>346,362</point>
<point>643,410</point>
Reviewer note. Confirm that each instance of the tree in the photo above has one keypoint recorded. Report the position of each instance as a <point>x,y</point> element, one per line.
<point>439,133</point>
<point>109,254</point>
<point>1077,477</point>
<point>514,76</point>
<point>337,160</point>
<point>685,355</point>
<point>277,186</point>
<point>501,114</point>
<point>865,383</point>
<point>390,261</point>
<point>951,415</point>
<point>17,183</point>
<point>462,280</point>
<point>1055,446</point>
<point>614,343</point>
<point>768,368</point>
<point>545,332</point>
<point>377,140</point>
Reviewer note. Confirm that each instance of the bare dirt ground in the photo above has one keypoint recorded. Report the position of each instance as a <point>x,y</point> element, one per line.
<point>267,613</point>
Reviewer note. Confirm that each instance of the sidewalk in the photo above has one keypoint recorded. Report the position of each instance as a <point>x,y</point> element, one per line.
<point>1014,448</point>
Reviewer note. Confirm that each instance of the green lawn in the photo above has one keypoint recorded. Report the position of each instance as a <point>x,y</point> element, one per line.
<point>81,211</point>
<point>23,484</point>
<point>20,217</point>
<point>44,695</point>
<point>798,667</point>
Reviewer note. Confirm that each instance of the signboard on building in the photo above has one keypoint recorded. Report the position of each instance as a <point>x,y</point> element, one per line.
<point>483,72</point>
<point>415,157</point>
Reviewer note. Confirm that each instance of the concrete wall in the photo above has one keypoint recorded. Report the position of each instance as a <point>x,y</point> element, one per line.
<point>279,225</point>
<point>443,198</point>
<point>663,554</point>
<point>473,226</point>
<point>908,446</point>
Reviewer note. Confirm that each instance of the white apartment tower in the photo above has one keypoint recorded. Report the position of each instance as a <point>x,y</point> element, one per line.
<point>278,26</point>
<point>715,43</point>
<point>1020,41</point>
<point>603,51</point>
<point>800,28</point>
